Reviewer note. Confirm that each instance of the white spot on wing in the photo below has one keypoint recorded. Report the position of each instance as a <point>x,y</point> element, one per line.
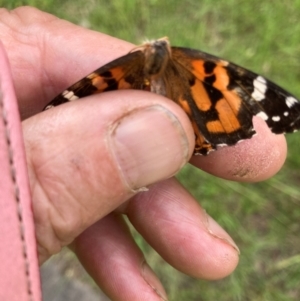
<point>48,107</point>
<point>275,118</point>
<point>262,115</point>
<point>225,63</point>
<point>286,114</point>
<point>260,88</point>
<point>290,101</point>
<point>69,95</point>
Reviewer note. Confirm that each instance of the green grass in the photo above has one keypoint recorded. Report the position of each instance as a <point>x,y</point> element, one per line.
<point>263,218</point>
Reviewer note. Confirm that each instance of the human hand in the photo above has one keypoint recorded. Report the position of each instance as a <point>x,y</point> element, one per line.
<point>88,159</point>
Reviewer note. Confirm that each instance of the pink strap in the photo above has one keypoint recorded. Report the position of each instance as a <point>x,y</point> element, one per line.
<point>19,274</point>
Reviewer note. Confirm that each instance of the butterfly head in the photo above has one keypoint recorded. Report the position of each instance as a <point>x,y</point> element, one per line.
<point>157,54</point>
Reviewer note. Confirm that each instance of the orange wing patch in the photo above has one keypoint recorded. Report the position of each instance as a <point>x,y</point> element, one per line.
<point>228,117</point>
<point>200,96</point>
<point>98,81</point>
<point>104,81</point>
<point>184,104</point>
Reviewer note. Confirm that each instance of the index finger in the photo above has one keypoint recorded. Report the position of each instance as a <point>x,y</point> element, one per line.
<point>58,53</point>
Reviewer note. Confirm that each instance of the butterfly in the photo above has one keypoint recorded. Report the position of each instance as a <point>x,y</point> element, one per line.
<point>219,97</point>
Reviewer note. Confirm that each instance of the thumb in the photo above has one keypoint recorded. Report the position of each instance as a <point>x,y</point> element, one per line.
<point>87,157</point>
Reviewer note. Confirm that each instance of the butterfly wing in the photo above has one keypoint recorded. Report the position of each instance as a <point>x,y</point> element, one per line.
<point>125,72</point>
<point>224,97</point>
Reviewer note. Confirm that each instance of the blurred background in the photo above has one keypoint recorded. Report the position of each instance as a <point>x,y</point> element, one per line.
<point>263,218</point>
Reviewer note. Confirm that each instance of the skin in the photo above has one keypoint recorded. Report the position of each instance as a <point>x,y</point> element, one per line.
<point>88,164</point>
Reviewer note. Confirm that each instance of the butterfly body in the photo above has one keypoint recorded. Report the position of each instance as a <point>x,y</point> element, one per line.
<point>219,97</point>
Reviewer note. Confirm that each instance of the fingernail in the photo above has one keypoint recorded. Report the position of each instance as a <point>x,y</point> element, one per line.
<point>149,145</point>
<point>153,281</point>
<point>214,229</point>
